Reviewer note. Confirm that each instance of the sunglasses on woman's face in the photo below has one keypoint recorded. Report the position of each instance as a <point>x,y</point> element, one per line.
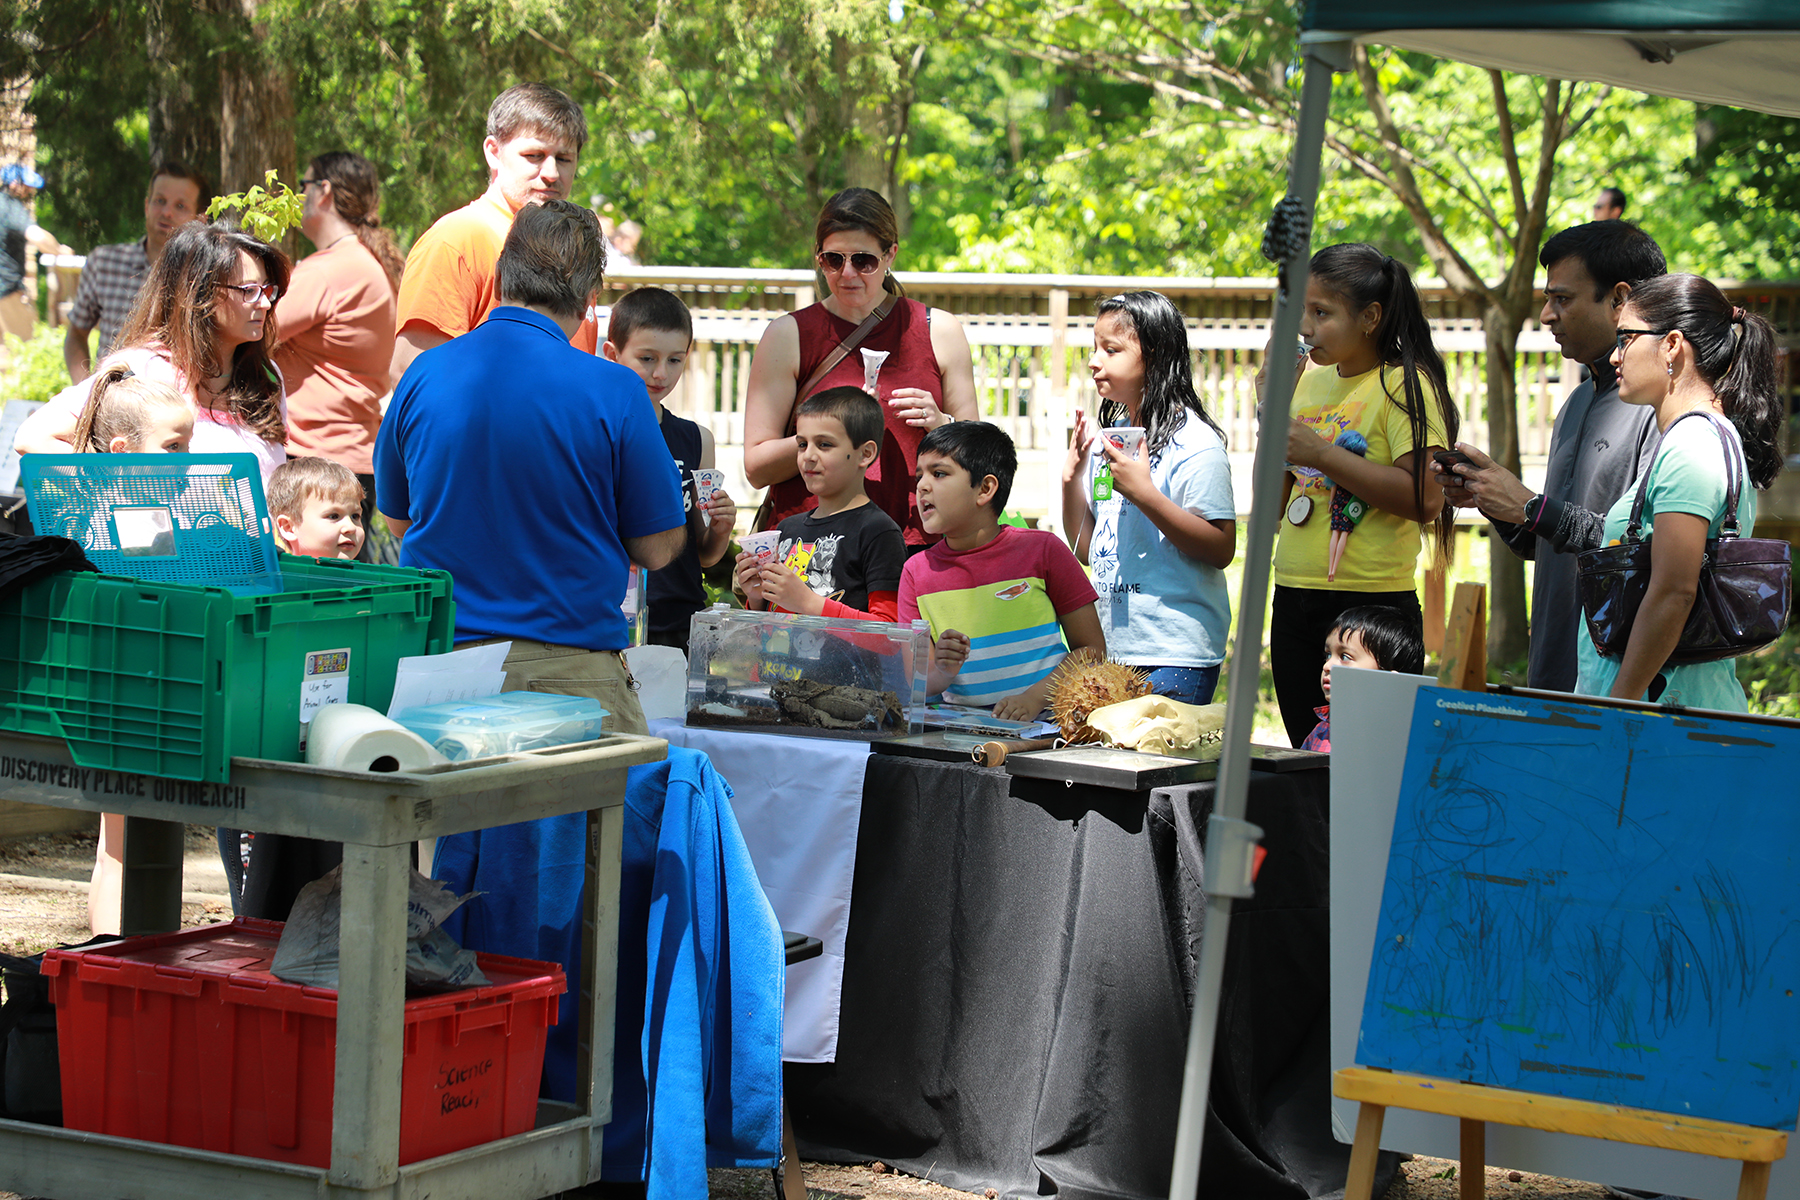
<point>250,291</point>
<point>864,263</point>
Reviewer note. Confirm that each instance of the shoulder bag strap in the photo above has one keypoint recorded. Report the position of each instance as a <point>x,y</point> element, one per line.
<point>851,341</point>
<point>762,520</point>
<point>1734,474</point>
<point>1635,530</point>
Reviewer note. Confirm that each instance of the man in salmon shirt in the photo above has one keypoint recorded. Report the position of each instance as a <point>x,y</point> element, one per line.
<point>534,137</point>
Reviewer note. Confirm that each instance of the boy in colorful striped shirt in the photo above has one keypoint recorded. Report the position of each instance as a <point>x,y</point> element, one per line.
<point>1004,605</point>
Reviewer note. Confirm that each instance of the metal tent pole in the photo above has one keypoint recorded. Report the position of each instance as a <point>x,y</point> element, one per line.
<point>1230,840</point>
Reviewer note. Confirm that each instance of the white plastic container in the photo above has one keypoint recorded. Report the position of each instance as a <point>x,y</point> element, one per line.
<point>504,724</point>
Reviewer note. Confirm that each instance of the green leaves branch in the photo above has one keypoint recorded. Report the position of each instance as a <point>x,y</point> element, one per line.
<point>267,211</point>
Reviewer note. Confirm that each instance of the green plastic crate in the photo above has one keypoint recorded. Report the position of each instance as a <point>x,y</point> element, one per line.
<point>176,680</point>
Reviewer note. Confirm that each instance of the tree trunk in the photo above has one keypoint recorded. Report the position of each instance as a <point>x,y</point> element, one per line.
<point>1507,629</point>
<point>256,113</point>
<point>184,111</point>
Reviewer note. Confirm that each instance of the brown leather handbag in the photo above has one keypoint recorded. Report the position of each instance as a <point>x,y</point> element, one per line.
<point>1745,583</point>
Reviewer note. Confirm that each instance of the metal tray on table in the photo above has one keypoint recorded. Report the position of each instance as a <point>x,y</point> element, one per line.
<point>940,745</point>
<point>1103,766</point>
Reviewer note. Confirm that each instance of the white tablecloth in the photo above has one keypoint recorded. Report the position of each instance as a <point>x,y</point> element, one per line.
<point>799,803</point>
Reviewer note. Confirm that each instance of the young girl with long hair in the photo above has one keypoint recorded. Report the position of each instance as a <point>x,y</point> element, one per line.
<point>1684,349</point>
<point>1358,450</point>
<point>124,414</point>
<point>128,414</point>
<point>1161,530</point>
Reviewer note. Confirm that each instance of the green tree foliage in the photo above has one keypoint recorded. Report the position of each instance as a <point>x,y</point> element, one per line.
<point>406,84</point>
<point>261,209</point>
<point>92,76</point>
<point>747,115</point>
<point>1743,183</point>
<point>1108,136</point>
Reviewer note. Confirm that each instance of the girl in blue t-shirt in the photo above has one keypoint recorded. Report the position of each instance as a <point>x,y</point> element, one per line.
<point>1157,522</point>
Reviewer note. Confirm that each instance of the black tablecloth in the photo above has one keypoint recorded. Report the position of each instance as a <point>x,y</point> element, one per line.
<point>1019,968</point>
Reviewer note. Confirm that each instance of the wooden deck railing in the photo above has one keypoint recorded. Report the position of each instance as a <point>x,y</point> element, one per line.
<point>1032,334</point>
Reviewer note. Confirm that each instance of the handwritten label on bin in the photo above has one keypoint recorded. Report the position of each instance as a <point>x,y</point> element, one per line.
<point>324,680</point>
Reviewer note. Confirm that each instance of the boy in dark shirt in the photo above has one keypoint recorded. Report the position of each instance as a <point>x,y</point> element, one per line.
<point>651,331</point>
<point>843,558</point>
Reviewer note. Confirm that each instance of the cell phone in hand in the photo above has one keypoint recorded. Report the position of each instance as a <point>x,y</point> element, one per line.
<point>1449,458</point>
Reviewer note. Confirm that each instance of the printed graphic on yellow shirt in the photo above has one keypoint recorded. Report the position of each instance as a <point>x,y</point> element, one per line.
<point>1329,424</point>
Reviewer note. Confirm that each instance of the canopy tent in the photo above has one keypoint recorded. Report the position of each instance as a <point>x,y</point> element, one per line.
<point>1743,53</point>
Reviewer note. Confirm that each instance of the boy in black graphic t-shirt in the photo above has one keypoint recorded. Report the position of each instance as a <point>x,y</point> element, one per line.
<point>842,559</point>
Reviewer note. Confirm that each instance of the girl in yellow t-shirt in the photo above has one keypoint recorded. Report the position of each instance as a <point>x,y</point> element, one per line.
<point>1358,453</point>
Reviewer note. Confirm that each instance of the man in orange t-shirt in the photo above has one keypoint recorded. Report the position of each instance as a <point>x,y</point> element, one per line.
<point>534,137</point>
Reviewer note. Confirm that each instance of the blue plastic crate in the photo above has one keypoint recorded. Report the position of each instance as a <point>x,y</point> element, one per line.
<point>195,519</point>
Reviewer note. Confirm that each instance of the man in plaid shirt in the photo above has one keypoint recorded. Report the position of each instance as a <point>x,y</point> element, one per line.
<point>110,280</point>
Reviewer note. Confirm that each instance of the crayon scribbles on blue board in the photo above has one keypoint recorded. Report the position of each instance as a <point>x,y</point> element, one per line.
<point>1594,903</point>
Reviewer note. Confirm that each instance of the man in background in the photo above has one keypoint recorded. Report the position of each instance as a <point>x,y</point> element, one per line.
<point>622,246</point>
<point>1610,206</point>
<point>19,235</point>
<point>534,138</point>
<point>110,280</point>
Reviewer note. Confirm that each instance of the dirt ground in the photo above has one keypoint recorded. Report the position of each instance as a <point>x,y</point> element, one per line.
<point>43,903</point>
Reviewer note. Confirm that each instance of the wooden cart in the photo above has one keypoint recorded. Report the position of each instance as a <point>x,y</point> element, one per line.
<point>377,817</point>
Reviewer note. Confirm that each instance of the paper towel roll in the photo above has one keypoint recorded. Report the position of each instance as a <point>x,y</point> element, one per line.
<point>353,737</point>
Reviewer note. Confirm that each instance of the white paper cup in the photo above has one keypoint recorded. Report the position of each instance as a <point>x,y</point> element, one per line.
<point>1127,439</point>
<point>763,544</point>
<point>707,483</point>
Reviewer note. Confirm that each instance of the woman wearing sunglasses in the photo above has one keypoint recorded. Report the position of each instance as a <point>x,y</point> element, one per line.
<point>926,380</point>
<point>1684,349</point>
<point>202,325</point>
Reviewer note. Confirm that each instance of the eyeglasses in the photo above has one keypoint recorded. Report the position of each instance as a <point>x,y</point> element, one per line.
<point>306,183</point>
<point>1624,336</point>
<point>864,263</point>
<point>250,291</point>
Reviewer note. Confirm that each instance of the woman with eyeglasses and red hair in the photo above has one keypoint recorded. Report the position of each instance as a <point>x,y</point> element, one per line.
<point>200,325</point>
<point>923,373</point>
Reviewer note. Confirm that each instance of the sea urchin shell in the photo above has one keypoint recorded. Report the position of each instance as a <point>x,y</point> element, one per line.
<point>1086,680</point>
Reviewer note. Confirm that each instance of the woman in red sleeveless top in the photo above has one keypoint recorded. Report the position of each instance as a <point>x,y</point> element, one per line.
<point>928,378</point>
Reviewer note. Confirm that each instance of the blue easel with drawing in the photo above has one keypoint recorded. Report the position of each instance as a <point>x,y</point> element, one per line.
<point>1590,924</point>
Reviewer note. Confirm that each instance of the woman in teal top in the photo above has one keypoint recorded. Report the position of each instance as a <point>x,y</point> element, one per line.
<point>1683,348</point>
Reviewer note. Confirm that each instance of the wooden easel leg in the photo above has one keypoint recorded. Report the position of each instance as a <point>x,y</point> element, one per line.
<point>793,1183</point>
<point>1361,1180</point>
<point>1436,579</point>
<point>1464,660</point>
<point>1753,1184</point>
<point>1473,1175</point>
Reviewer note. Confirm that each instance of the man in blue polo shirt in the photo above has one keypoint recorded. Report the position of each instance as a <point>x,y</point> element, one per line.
<point>533,472</point>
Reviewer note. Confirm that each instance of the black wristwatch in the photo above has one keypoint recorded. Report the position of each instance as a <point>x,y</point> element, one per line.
<point>1534,507</point>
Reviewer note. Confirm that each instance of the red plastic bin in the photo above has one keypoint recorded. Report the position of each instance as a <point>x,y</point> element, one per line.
<point>187,1039</point>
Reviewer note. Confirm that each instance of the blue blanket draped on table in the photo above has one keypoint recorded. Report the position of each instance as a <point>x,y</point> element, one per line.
<point>698,1083</point>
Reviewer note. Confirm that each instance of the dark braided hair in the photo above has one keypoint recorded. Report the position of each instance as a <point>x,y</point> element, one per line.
<point>1363,275</point>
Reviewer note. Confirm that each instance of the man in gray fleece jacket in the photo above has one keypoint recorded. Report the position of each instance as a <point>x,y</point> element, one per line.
<point>1597,447</point>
